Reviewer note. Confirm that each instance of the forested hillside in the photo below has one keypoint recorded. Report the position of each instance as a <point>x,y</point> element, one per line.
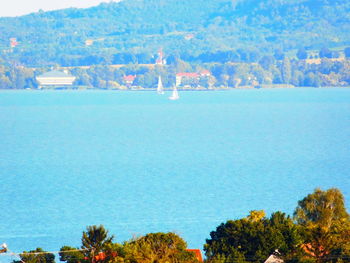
<point>131,31</point>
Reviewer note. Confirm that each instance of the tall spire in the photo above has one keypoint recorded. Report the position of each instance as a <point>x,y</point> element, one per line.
<point>160,59</point>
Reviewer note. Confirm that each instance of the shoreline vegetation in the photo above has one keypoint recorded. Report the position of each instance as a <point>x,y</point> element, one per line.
<point>170,89</point>
<point>166,89</point>
<point>268,72</point>
<point>318,232</point>
<point>207,44</point>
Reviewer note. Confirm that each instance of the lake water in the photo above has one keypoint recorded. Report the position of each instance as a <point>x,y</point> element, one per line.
<point>139,163</point>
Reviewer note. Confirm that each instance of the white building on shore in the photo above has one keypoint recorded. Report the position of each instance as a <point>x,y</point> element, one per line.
<point>55,79</point>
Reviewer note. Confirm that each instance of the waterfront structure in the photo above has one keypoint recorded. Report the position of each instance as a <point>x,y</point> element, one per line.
<point>13,42</point>
<point>205,73</point>
<point>55,79</point>
<point>185,75</point>
<point>129,79</point>
<point>189,36</point>
<point>89,42</point>
<point>191,76</point>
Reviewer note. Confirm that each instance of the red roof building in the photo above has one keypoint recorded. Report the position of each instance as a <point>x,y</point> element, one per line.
<point>129,79</point>
<point>197,253</point>
<point>192,77</point>
<point>102,256</point>
<point>205,73</point>
<point>189,36</point>
<point>187,75</point>
<point>13,42</point>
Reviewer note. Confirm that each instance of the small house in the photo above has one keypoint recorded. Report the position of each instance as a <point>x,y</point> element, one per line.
<point>89,42</point>
<point>205,73</point>
<point>180,77</point>
<point>13,42</point>
<point>275,257</point>
<point>129,79</point>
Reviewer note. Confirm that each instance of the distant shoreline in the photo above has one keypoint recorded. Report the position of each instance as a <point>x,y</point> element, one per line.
<point>170,89</point>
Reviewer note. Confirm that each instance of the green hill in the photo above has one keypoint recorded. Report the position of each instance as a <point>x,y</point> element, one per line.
<point>133,30</point>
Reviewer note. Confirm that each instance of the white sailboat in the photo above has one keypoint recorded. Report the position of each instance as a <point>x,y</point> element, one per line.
<point>174,95</point>
<point>160,89</point>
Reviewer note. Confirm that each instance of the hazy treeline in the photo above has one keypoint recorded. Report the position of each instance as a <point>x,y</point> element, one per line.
<point>267,70</point>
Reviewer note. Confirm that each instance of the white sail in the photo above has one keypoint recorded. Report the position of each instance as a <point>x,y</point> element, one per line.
<point>174,95</point>
<point>160,89</point>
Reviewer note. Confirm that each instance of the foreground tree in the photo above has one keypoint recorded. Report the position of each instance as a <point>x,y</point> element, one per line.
<point>97,247</point>
<point>95,241</point>
<point>158,248</point>
<point>253,239</point>
<point>326,225</point>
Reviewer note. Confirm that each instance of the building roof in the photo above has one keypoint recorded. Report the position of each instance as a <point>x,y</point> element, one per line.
<point>129,78</point>
<point>189,36</point>
<point>187,74</point>
<point>205,72</point>
<point>197,253</point>
<point>55,74</point>
<point>275,257</point>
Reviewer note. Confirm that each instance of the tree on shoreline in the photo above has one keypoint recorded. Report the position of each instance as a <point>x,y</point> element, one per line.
<point>158,248</point>
<point>326,225</point>
<point>96,247</point>
<point>95,240</point>
<point>253,238</point>
<point>320,233</point>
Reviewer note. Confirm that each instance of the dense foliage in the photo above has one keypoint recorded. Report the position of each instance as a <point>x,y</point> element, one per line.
<point>151,248</point>
<point>248,239</point>
<point>326,225</point>
<point>319,233</point>
<point>266,72</point>
<point>94,241</point>
<point>158,247</point>
<point>132,31</point>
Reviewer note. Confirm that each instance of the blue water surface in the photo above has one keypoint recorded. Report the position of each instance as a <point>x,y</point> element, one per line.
<point>137,162</point>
